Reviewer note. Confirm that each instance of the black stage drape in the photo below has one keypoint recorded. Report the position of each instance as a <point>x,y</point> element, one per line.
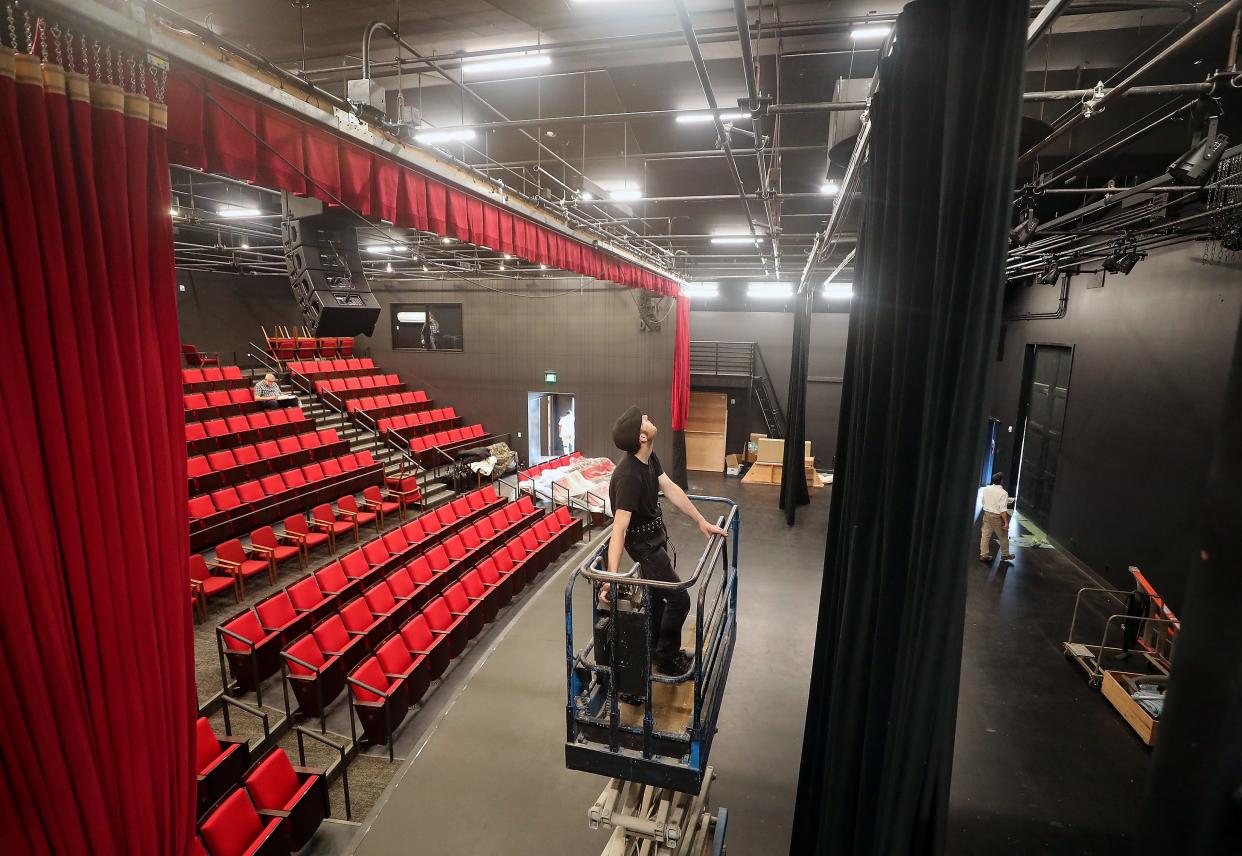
<point>878,745</point>
<point>1194,791</point>
<point>793,476</point>
<point>677,467</point>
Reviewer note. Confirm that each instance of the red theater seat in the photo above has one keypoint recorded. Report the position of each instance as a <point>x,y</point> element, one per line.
<point>263,540</point>
<point>491,577</point>
<point>315,677</point>
<point>421,642</point>
<point>236,829</point>
<point>308,598</point>
<point>360,621</point>
<point>442,622</point>
<point>335,640</point>
<point>462,606</point>
<point>484,598</point>
<point>347,509</point>
<point>382,602</point>
<point>298,531</point>
<point>230,555</point>
<point>204,584</point>
<point>252,653</point>
<point>380,703</point>
<point>382,504</point>
<point>411,670</point>
<point>277,615</point>
<point>221,762</point>
<point>323,519</point>
<point>332,581</point>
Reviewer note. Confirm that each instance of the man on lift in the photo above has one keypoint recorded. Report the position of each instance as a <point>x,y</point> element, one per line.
<point>638,525</point>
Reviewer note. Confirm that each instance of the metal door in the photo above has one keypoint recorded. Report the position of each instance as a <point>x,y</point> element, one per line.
<point>1046,397</point>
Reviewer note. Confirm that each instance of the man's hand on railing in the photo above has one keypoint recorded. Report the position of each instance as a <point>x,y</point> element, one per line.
<point>710,529</point>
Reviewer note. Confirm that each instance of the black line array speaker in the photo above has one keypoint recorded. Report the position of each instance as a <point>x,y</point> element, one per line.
<point>325,270</point>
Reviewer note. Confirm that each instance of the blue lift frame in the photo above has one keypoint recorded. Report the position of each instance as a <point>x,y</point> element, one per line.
<point>596,740</point>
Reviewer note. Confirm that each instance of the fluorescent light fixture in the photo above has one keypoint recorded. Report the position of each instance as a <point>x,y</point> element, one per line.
<point>735,239</point>
<point>543,267</point>
<point>769,290</point>
<point>454,135</point>
<point>701,290</point>
<point>381,248</point>
<point>239,212</point>
<point>174,211</point>
<point>507,63</point>
<point>502,266</point>
<point>586,196</point>
<point>838,290</point>
<point>625,195</point>
<point>830,188</point>
<point>411,317</point>
<point>872,31</point>
<point>245,245</point>
<point>388,267</point>
<point>446,240</point>
<point>697,118</point>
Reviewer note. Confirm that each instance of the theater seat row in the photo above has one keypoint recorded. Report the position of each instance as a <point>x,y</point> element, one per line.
<point>212,377</point>
<point>554,464</point>
<point>387,684</point>
<point>312,370</point>
<point>211,434</point>
<point>286,348</point>
<point>231,511</point>
<point>423,447</point>
<point>352,387</point>
<point>243,637</point>
<point>409,425</point>
<point>229,466</point>
<point>269,808</point>
<point>378,406</point>
<point>220,402</point>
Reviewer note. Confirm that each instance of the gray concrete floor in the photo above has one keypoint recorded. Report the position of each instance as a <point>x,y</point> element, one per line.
<point>487,773</point>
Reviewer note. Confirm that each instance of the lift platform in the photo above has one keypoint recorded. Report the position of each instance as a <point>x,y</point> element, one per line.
<point>664,738</point>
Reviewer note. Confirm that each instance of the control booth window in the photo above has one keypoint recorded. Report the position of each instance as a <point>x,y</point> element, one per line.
<point>427,327</point>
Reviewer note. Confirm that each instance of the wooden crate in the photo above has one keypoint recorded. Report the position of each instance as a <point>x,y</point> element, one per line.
<point>1140,720</point>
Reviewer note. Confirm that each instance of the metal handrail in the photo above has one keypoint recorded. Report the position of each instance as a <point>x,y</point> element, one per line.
<point>263,716</point>
<point>711,637</point>
<point>342,766</point>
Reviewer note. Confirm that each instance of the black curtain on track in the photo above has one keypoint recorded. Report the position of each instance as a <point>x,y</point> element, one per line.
<point>1194,789</point>
<point>793,476</point>
<point>878,745</point>
<point>677,466</point>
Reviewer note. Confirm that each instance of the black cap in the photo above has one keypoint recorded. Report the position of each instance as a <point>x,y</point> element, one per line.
<point>626,429</point>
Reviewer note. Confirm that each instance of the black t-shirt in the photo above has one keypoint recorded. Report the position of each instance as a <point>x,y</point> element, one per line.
<point>635,487</point>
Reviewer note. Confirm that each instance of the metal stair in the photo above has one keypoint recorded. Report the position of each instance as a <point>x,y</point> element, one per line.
<point>738,364</point>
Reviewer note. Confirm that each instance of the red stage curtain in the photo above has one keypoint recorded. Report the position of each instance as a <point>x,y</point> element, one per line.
<point>93,534</point>
<point>681,365</point>
<point>281,165</point>
<point>213,126</point>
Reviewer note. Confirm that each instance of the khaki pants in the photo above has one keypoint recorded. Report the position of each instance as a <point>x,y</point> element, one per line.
<point>993,524</point>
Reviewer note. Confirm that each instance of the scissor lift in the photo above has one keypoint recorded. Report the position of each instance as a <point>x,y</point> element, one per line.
<point>655,753</point>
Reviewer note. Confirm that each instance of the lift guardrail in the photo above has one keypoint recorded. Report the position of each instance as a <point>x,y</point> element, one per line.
<point>597,741</point>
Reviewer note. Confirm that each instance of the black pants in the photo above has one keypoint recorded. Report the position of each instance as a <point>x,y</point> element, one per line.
<point>668,608</point>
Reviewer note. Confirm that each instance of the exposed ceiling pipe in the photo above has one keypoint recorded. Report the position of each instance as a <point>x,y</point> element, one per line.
<point>707,35</point>
<point>700,68</point>
<point>380,26</point>
<point>1188,38</point>
<point>682,155</point>
<point>1044,20</point>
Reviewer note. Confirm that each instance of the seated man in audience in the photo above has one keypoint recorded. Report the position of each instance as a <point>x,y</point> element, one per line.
<point>268,392</point>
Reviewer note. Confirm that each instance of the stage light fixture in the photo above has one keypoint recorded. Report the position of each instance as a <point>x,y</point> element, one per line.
<point>1021,233</point>
<point>871,31</point>
<point>1123,259</point>
<point>239,212</point>
<point>1196,165</point>
<point>1050,272</point>
<point>455,135</point>
<point>830,188</point>
<point>379,249</point>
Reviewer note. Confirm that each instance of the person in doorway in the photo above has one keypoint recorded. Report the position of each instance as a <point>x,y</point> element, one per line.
<point>995,501</point>
<point>638,528</point>
<point>431,329</point>
<point>268,391</point>
<point>565,427</point>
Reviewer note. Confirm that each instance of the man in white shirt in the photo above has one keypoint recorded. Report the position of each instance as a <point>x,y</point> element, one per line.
<point>995,520</point>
